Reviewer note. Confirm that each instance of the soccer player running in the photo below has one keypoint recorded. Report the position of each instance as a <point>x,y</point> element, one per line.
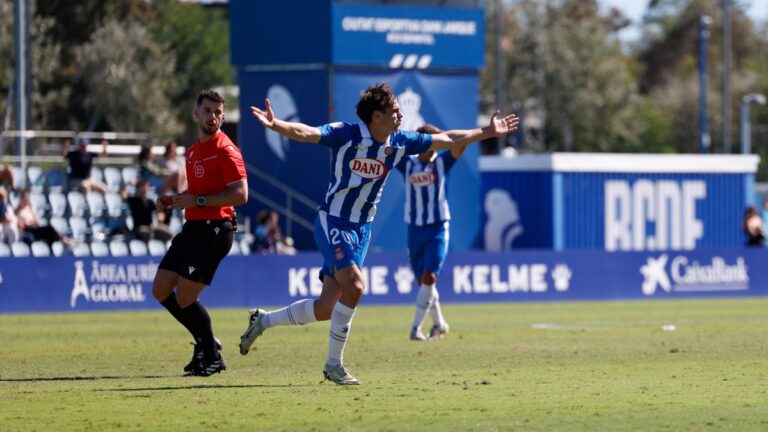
<point>427,215</point>
<point>363,154</point>
<point>217,181</point>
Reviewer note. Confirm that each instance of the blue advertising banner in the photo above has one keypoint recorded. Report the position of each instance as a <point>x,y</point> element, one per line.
<point>88,284</point>
<point>279,32</point>
<point>408,37</point>
<point>300,96</point>
<point>615,202</point>
<point>448,102</point>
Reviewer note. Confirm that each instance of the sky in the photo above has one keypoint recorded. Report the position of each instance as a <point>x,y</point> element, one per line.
<point>633,9</point>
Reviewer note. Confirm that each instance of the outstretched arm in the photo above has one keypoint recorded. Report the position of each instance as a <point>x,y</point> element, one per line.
<point>293,130</point>
<point>458,138</point>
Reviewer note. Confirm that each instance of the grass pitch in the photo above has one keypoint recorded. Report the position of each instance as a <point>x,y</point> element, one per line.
<point>533,367</point>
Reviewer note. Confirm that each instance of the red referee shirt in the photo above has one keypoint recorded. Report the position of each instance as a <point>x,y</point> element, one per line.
<point>211,166</point>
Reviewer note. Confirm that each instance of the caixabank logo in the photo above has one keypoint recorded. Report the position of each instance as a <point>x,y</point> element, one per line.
<point>683,274</point>
<point>111,283</point>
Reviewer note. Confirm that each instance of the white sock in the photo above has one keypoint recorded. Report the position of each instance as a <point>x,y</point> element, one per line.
<point>297,313</point>
<point>423,304</point>
<point>341,321</point>
<point>434,309</point>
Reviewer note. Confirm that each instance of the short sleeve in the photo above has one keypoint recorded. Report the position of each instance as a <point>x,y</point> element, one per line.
<point>416,142</point>
<point>232,165</point>
<point>337,134</point>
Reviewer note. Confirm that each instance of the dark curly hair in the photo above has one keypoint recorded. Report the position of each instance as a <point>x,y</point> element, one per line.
<point>377,97</point>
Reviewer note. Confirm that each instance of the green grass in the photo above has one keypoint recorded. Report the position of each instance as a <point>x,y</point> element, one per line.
<point>593,366</point>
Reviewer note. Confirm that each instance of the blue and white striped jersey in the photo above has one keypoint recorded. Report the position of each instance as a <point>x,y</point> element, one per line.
<point>360,167</point>
<point>425,189</point>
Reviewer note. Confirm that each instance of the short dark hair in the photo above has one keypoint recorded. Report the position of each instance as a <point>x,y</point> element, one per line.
<point>377,97</point>
<point>210,95</point>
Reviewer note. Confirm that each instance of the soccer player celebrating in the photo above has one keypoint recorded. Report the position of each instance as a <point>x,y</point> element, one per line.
<point>217,182</point>
<point>363,155</point>
<point>427,215</point>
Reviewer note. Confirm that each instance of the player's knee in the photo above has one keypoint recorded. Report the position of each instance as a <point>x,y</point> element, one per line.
<point>428,278</point>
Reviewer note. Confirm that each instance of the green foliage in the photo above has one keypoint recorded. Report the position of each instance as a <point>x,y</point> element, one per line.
<point>128,79</point>
<point>534,367</point>
<point>199,41</point>
<point>565,61</point>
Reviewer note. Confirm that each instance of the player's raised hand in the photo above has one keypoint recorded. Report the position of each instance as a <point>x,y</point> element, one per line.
<point>265,116</point>
<point>505,125</point>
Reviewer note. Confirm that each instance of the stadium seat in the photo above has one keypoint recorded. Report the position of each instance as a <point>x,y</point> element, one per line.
<point>55,180</point>
<point>118,248</point>
<point>58,203</point>
<point>5,250</point>
<point>99,249</point>
<point>81,250</point>
<point>40,249</point>
<point>13,198</point>
<point>138,248</point>
<point>156,247</point>
<point>235,250</point>
<point>114,205</point>
<point>99,230</point>
<point>245,247</point>
<point>130,175</point>
<point>60,224</point>
<point>58,249</point>
<point>78,226</point>
<point>96,204</point>
<point>20,249</point>
<point>77,203</point>
<point>19,179</point>
<point>113,179</point>
<point>38,202</point>
<point>36,177</point>
<point>175,224</point>
<point>97,174</point>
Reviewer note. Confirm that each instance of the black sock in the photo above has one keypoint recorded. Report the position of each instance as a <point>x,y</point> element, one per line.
<point>173,307</point>
<point>200,322</point>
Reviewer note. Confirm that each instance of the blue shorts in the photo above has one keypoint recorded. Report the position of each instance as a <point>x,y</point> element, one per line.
<point>341,242</point>
<point>427,247</point>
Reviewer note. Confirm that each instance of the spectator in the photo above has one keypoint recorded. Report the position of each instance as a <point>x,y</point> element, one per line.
<point>31,226</point>
<point>6,177</point>
<point>142,211</point>
<point>149,170</point>
<point>269,239</point>
<point>176,177</point>
<point>80,164</point>
<point>9,227</point>
<point>753,228</point>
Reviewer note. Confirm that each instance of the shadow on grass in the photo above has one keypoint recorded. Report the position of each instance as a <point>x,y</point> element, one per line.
<point>200,386</point>
<point>78,378</point>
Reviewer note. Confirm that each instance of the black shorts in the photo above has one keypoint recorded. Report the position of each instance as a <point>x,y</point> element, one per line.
<point>196,252</point>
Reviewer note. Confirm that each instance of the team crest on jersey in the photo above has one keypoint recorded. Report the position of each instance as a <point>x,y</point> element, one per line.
<point>368,168</point>
<point>388,151</point>
<point>421,179</point>
<point>199,171</point>
<point>339,254</point>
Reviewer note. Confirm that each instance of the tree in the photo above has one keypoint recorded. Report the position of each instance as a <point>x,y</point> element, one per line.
<point>128,78</point>
<point>564,58</point>
<point>199,38</point>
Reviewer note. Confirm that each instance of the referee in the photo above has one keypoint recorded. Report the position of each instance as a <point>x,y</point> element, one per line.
<point>217,182</point>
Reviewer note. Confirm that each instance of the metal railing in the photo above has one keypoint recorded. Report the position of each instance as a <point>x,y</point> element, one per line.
<point>292,197</point>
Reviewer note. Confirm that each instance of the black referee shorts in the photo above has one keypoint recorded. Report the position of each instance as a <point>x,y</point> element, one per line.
<point>196,252</point>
